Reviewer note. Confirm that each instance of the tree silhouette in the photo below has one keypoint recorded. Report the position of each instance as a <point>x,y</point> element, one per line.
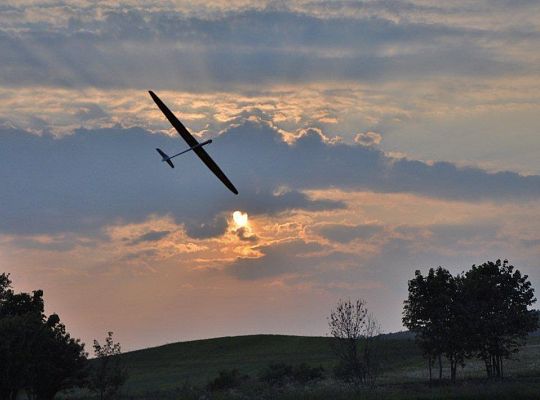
<point>483,313</point>
<point>60,361</point>
<point>354,330</point>
<point>433,312</point>
<point>497,298</point>
<point>36,352</point>
<point>109,372</point>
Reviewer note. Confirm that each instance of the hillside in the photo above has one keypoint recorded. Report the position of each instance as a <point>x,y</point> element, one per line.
<point>196,362</point>
<point>169,366</point>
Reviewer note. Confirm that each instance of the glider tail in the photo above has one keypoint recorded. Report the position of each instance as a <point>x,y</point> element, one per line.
<point>165,157</point>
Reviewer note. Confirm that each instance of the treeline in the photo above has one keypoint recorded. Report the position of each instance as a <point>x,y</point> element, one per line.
<point>39,358</point>
<point>482,313</point>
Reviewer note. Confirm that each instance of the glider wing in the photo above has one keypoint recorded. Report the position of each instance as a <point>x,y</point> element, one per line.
<point>191,141</point>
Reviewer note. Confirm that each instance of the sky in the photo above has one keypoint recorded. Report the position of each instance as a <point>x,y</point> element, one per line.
<point>367,139</point>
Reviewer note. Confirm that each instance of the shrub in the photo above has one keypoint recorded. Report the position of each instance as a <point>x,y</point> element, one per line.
<point>227,379</point>
<point>346,372</point>
<point>276,374</point>
<point>303,373</point>
<point>280,374</point>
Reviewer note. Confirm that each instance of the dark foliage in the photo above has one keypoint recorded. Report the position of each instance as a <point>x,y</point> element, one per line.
<point>304,374</point>
<point>280,374</point>
<point>483,313</point>
<point>227,379</point>
<point>496,299</point>
<point>37,354</point>
<point>435,313</point>
<point>109,372</point>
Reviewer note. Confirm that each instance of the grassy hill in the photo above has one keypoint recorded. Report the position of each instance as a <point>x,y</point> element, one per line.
<point>197,362</point>
<point>167,367</point>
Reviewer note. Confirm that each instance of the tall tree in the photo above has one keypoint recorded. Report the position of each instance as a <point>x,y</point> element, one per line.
<point>497,299</point>
<point>432,312</point>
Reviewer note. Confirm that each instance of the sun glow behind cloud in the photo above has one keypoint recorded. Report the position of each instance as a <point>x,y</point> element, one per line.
<point>240,219</point>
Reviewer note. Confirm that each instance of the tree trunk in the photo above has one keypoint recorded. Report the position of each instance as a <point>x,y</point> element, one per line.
<point>487,361</point>
<point>497,366</point>
<point>440,367</point>
<point>430,363</point>
<point>451,359</point>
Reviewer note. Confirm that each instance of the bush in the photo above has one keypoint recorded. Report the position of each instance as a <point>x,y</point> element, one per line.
<point>227,379</point>
<point>303,373</point>
<point>347,372</point>
<point>276,374</point>
<point>280,374</point>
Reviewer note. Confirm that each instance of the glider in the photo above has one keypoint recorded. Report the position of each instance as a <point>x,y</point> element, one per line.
<point>193,145</point>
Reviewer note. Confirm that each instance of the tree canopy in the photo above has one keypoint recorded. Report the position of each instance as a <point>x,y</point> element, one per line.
<point>483,313</point>
<point>37,354</point>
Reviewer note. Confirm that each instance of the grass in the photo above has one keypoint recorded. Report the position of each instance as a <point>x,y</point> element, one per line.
<point>182,371</point>
<point>167,367</point>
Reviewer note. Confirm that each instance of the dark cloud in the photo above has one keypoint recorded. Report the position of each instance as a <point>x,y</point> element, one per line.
<point>93,178</point>
<point>347,233</point>
<point>245,235</point>
<point>150,253</point>
<point>153,236</point>
<point>205,230</point>
<point>312,163</point>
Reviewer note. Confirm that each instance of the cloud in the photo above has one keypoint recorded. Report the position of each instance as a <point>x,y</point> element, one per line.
<point>347,233</point>
<point>90,111</point>
<point>150,237</point>
<point>451,233</point>
<point>245,235</point>
<point>205,230</point>
<point>259,46</point>
<point>292,256</point>
<point>368,138</point>
<point>95,178</point>
<point>56,244</point>
<point>312,163</point>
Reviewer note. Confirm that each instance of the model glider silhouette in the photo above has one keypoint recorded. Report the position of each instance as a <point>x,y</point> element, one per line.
<point>193,145</point>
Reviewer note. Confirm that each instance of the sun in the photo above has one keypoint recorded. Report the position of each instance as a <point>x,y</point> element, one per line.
<point>240,219</point>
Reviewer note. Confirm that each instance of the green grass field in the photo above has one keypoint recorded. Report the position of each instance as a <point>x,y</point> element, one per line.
<point>404,372</point>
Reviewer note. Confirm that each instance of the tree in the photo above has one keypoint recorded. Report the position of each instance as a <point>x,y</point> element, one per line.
<point>21,318</point>
<point>354,331</point>
<point>60,361</point>
<point>497,298</point>
<point>36,352</point>
<point>483,312</point>
<point>17,337</point>
<point>109,372</point>
<point>433,311</point>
